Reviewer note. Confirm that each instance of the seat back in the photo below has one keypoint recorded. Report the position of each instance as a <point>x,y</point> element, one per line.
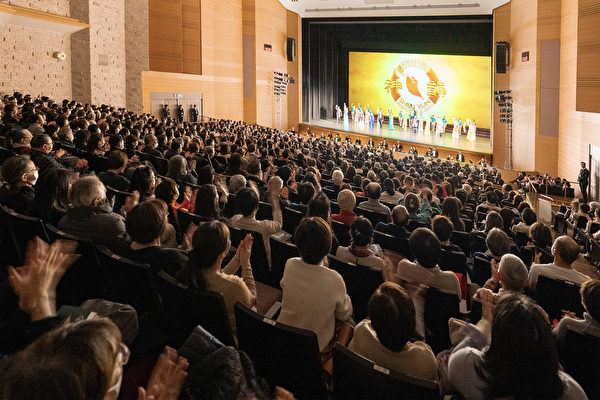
<point>129,282</point>
<point>453,261</point>
<point>185,218</point>
<point>186,308</point>
<point>117,198</point>
<point>468,224</point>
<point>85,279</point>
<point>23,228</point>
<point>482,270</point>
<point>412,225</point>
<point>580,356</point>
<point>461,239</point>
<point>477,243</point>
<point>281,251</point>
<point>284,356</point>
<point>361,282</point>
<point>161,164</point>
<point>342,232</point>
<point>439,307</point>
<point>554,295</point>
<point>258,257</point>
<point>291,219</point>
<point>98,163</point>
<point>374,217</point>
<point>355,377</point>
<point>390,242</point>
<point>264,211</point>
<point>521,239</point>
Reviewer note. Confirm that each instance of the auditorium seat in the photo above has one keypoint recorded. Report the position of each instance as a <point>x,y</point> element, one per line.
<point>161,164</point>
<point>264,211</point>
<point>258,257</point>
<point>129,282</point>
<point>361,282</point>
<point>85,279</point>
<point>185,308</point>
<point>580,357</point>
<point>356,377</point>
<point>117,198</point>
<point>453,261</point>
<point>554,295</point>
<point>374,217</point>
<point>439,307</point>
<point>281,251</point>
<point>461,239</point>
<point>412,225</point>
<point>185,218</point>
<point>341,232</point>
<point>23,228</point>
<point>389,242</point>
<point>291,219</point>
<point>283,355</point>
<point>481,270</point>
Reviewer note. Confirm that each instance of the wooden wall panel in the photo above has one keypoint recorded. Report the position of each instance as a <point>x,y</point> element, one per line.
<point>165,40</point>
<point>576,129</point>
<point>588,56</point>
<point>191,37</point>
<point>501,82</point>
<point>523,32</point>
<point>294,112</point>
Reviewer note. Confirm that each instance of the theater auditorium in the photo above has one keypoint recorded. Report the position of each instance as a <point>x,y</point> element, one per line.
<point>299,199</point>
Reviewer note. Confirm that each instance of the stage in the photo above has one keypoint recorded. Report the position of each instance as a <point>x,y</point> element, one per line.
<point>446,145</point>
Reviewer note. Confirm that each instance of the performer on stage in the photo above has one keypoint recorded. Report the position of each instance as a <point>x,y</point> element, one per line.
<point>427,125</point>
<point>415,123</point>
<point>379,117</point>
<point>444,124</point>
<point>471,136</point>
<point>400,118</point>
<point>338,114</point>
<point>353,113</point>
<point>390,120</point>
<point>421,123</point>
<point>466,125</point>
<point>371,119</point>
<point>405,120</point>
<point>345,114</point>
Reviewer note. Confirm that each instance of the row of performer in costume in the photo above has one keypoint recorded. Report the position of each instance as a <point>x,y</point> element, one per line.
<point>407,120</point>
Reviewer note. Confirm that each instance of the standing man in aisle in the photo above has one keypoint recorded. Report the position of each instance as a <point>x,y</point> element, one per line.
<point>583,179</point>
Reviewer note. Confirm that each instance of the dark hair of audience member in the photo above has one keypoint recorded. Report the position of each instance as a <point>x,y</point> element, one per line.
<point>93,141</point>
<point>361,232</point>
<point>143,181</point>
<point>80,138</point>
<point>522,360</point>
<point>425,246</point>
<point>493,220</point>
<point>590,297</point>
<point>117,159</point>
<point>392,315</point>
<point>51,193</point>
<point>319,206</point>
<point>167,190</point>
<point>306,191</point>
<point>205,175</point>
<point>313,239</point>
<point>442,227</point>
<point>210,241</point>
<point>146,221</point>
<point>207,202</point>
<point>540,235</point>
<point>14,168</point>
<point>411,202</point>
<point>451,209</point>
<point>246,201</point>
<point>72,362</point>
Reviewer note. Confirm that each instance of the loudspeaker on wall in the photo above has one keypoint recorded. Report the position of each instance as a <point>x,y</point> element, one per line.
<point>501,57</point>
<point>291,49</point>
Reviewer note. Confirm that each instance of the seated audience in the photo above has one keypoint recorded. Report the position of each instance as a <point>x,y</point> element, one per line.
<point>19,174</point>
<point>590,324</point>
<point>443,228</point>
<point>521,360</point>
<point>347,202</point>
<point>417,211</point>
<point>508,275</point>
<point>361,250</point>
<point>528,218</point>
<point>390,195</point>
<point>113,177</point>
<point>451,208</point>
<point>51,196</point>
<point>143,181</point>
<point>145,224</point>
<point>207,202</point>
<point>314,296</point>
<point>210,246</point>
<point>236,183</point>
<point>384,337</point>
<point>373,204</point>
<point>306,192</point>
<point>397,227</point>
<point>90,208</point>
<point>565,251</point>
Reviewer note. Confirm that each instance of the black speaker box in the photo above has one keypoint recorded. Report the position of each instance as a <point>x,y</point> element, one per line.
<point>291,49</point>
<point>501,57</point>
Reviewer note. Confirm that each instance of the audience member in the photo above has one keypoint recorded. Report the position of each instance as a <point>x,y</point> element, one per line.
<point>20,175</point>
<point>373,204</point>
<point>397,227</point>
<point>361,250</point>
<point>347,203</point>
<point>113,177</point>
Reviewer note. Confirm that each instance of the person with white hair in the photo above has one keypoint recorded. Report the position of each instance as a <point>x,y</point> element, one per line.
<point>338,178</point>
<point>90,216</point>
<point>509,275</point>
<point>467,188</point>
<point>236,183</point>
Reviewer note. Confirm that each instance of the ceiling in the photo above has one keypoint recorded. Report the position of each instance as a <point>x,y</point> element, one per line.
<point>389,8</point>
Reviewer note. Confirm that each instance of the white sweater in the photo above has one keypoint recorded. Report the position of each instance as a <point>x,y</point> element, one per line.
<point>314,296</point>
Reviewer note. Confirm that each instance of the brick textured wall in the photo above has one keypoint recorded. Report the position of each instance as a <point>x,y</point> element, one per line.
<point>27,65</point>
<point>137,56</point>
<point>107,43</point>
<point>60,7</point>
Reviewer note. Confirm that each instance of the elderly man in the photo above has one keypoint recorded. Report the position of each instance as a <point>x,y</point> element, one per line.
<point>373,204</point>
<point>565,251</point>
<point>510,275</point>
<point>90,216</point>
<point>398,225</point>
<point>41,147</point>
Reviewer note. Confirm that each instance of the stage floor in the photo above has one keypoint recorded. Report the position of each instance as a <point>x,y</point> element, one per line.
<point>480,145</point>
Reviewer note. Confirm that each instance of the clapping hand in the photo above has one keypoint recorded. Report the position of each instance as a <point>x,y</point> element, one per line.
<point>244,250</point>
<point>35,282</point>
<point>489,300</point>
<point>130,202</point>
<point>167,377</point>
<point>494,269</point>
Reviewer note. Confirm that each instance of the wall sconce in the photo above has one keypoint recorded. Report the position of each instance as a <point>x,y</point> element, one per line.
<point>61,56</point>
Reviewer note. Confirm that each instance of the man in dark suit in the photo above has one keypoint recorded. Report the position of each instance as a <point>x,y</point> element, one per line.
<point>397,227</point>
<point>583,179</point>
<point>460,157</point>
<point>435,153</point>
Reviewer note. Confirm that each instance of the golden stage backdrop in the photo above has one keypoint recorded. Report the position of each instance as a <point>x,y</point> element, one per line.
<point>431,85</point>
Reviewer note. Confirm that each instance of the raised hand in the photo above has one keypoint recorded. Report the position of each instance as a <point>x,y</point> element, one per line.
<point>244,250</point>
<point>130,202</point>
<point>167,377</point>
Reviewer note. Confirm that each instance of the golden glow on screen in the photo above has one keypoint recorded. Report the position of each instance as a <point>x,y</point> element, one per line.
<point>432,85</point>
